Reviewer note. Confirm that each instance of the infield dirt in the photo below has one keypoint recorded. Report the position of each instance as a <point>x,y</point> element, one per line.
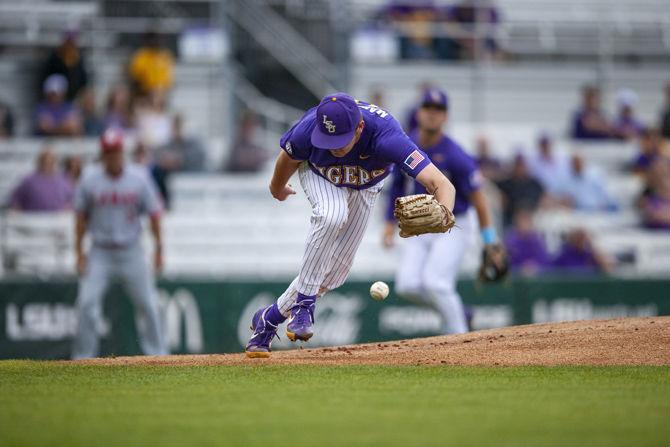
<point>624,341</point>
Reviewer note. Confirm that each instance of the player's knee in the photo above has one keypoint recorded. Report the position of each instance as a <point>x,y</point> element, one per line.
<point>332,221</point>
<point>437,284</point>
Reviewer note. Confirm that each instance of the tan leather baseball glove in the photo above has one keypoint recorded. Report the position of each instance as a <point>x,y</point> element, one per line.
<point>422,213</point>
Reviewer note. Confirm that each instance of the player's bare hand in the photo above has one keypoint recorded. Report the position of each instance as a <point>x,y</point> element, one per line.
<point>282,194</point>
<point>388,235</point>
<point>158,260</point>
<point>81,263</point>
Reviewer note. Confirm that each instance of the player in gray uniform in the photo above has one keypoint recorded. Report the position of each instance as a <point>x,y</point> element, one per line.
<point>109,202</point>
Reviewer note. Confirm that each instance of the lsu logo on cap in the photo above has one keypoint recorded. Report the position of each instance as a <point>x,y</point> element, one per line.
<point>330,126</point>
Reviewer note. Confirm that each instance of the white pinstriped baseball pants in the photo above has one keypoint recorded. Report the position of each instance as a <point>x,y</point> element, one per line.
<point>429,269</point>
<point>339,219</point>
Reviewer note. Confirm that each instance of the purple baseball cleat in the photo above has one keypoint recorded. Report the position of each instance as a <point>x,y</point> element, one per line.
<point>264,332</point>
<point>300,322</point>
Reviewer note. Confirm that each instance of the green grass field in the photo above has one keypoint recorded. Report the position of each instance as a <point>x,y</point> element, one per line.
<point>44,403</point>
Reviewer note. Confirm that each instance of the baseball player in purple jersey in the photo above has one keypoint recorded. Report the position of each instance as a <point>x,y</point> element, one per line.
<point>343,150</point>
<point>109,201</point>
<point>430,262</point>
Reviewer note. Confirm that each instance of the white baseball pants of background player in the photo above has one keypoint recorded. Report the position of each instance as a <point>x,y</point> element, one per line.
<point>429,267</point>
<point>129,265</point>
<point>338,222</point>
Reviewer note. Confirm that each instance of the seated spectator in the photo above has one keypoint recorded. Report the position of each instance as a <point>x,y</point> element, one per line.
<point>72,166</point>
<point>153,124</point>
<point>45,189</point>
<point>6,121</point>
<point>118,112</point>
<point>415,20</point>
<point>519,190</point>
<point>589,122</point>
<point>55,116</point>
<point>526,250</point>
<point>626,125</point>
<point>246,154</point>
<point>650,146</point>
<point>578,255</point>
<point>152,66</point>
<point>665,114</point>
<point>67,60</point>
<point>655,203</point>
<point>181,153</point>
<point>584,189</point>
<point>91,121</point>
<point>489,165</point>
<point>464,18</point>
<point>549,167</point>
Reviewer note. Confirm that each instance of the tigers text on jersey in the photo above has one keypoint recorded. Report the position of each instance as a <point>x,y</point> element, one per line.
<point>382,143</point>
<point>113,205</point>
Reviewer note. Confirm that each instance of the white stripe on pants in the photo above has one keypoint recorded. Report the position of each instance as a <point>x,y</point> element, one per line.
<point>339,219</point>
<point>429,269</point>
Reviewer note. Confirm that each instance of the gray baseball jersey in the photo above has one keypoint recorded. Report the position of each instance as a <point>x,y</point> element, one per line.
<point>114,205</point>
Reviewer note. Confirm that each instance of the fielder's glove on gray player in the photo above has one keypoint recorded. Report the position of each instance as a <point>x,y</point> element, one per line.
<point>494,263</point>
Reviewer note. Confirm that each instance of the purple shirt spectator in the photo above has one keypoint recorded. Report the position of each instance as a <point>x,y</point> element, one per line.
<point>526,250</point>
<point>574,260</point>
<point>589,122</point>
<point>42,192</point>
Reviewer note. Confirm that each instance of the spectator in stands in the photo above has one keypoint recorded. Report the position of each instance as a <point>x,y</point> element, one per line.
<point>45,189</point>
<point>246,154</point>
<point>153,123</point>
<point>415,20</point>
<point>519,190</point>
<point>469,16</point>
<point>377,96</point>
<point>67,60</point>
<point>655,203</point>
<point>55,116</point>
<point>92,124</point>
<point>152,66</point>
<point>72,166</point>
<point>6,121</point>
<point>665,115</point>
<point>525,246</point>
<point>650,148</point>
<point>489,165</point>
<point>118,111</point>
<point>584,189</point>
<point>182,153</point>
<point>577,255</point>
<point>590,122</point>
<point>626,125</point>
<point>549,167</point>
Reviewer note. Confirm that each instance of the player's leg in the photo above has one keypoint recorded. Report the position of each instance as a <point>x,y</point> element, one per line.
<point>441,273</point>
<point>92,287</point>
<point>361,204</point>
<point>330,213</point>
<point>409,273</point>
<point>139,283</point>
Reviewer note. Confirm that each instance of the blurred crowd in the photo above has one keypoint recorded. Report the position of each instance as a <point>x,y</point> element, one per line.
<point>68,106</point>
<point>464,29</point>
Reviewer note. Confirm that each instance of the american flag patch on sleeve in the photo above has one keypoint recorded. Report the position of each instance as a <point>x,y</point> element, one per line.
<point>413,159</point>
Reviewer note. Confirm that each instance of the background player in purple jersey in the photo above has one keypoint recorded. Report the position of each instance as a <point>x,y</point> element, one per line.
<point>343,149</point>
<point>429,267</point>
<point>109,202</point>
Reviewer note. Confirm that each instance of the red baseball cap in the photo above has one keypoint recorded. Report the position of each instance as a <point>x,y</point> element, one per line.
<point>111,140</point>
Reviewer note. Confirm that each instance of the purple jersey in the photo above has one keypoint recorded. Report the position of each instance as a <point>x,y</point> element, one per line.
<point>455,164</point>
<point>382,144</point>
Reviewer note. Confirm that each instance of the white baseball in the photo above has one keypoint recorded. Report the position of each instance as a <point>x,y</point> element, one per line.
<point>379,290</point>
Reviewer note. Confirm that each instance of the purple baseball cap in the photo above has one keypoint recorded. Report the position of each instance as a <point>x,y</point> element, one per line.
<point>337,117</point>
<point>435,97</point>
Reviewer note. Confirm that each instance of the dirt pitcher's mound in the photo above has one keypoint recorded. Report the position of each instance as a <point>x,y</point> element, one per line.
<point>624,341</point>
